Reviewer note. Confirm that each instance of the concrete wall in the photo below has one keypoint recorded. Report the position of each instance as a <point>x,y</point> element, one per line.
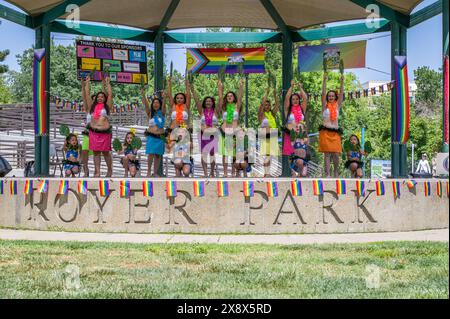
<point>235,214</point>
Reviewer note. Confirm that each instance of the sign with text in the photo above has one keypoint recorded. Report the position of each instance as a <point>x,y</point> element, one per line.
<point>125,63</point>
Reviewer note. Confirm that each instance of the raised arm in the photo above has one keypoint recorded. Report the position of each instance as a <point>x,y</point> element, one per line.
<point>341,92</point>
<point>220,102</point>
<point>87,94</point>
<point>261,107</point>
<point>240,95</point>
<point>146,103</point>
<point>276,107</point>
<point>169,92</point>
<point>188,93</point>
<point>304,97</point>
<point>196,99</point>
<point>110,95</point>
<point>163,102</point>
<point>287,99</point>
<point>324,91</point>
<point>83,92</point>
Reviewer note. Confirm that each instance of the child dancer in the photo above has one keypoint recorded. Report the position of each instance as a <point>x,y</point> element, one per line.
<point>129,161</point>
<point>72,150</point>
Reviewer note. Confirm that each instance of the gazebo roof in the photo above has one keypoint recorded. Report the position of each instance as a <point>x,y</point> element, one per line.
<point>180,14</point>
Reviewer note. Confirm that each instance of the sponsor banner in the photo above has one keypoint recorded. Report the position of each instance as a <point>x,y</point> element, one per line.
<point>131,67</point>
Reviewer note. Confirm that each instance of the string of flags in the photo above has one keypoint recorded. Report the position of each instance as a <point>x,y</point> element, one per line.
<point>248,188</point>
<point>79,105</point>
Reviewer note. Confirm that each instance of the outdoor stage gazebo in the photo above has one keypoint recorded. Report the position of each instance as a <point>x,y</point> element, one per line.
<point>289,18</point>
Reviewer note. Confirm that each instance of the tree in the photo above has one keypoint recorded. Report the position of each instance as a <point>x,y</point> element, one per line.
<point>429,91</point>
<point>5,94</point>
<point>3,55</point>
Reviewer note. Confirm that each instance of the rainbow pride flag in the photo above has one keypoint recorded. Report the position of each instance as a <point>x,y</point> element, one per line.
<point>125,188</point>
<point>341,188</point>
<point>296,188</point>
<point>272,189</point>
<point>63,187</point>
<point>209,61</point>
<point>222,189</point>
<point>396,189</point>
<point>199,189</point>
<point>2,187</point>
<point>411,184</point>
<point>147,189</point>
<point>379,185</point>
<point>39,95</point>
<point>427,189</point>
<point>402,100</point>
<point>43,187</point>
<point>248,189</point>
<point>318,187</point>
<point>82,187</point>
<point>28,188</point>
<point>104,188</point>
<point>439,189</point>
<point>171,189</point>
<point>360,188</point>
<point>13,187</point>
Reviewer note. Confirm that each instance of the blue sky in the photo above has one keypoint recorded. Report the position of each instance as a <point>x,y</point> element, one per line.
<point>424,47</point>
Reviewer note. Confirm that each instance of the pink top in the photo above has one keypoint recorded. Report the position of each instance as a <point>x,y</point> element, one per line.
<point>98,110</point>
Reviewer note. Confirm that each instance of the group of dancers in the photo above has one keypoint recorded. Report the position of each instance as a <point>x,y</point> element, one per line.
<point>170,128</point>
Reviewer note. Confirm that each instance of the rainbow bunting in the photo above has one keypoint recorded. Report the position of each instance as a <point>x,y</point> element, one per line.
<point>28,188</point>
<point>396,189</point>
<point>379,185</point>
<point>13,187</point>
<point>104,188</point>
<point>171,189</point>
<point>39,95</point>
<point>318,187</point>
<point>272,189</point>
<point>43,187</point>
<point>248,189</point>
<point>199,189</point>
<point>439,189</point>
<point>63,187</point>
<point>427,189</point>
<point>411,184</point>
<point>147,189</point>
<point>222,189</point>
<point>82,187</point>
<point>360,188</point>
<point>402,100</point>
<point>341,188</point>
<point>2,187</point>
<point>296,187</point>
<point>125,188</point>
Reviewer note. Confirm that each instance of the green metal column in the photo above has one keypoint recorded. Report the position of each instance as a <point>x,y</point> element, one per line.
<point>398,151</point>
<point>159,73</point>
<point>445,40</point>
<point>288,50</point>
<point>42,143</point>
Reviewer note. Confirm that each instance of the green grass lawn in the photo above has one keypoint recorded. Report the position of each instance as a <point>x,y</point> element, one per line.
<point>407,270</point>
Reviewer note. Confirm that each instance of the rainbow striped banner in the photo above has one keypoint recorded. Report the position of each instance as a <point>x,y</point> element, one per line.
<point>446,99</point>
<point>360,188</point>
<point>82,187</point>
<point>272,189</point>
<point>43,187</point>
<point>28,188</point>
<point>125,188</point>
<point>199,189</point>
<point>147,189</point>
<point>209,61</point>
<point>104,188</point>
<point>396,189</point>
<point>439,189</point>
<point>39,94</point>
<point>63,187</point>
<point>341,187</point>
<point>402,100</point>
<point>171,189</point>
<point>318,187</point>
<point>427,189</point>
<point>248,189</point>
<point>296,188</point>
<point>411,184</point>
<point>2,187</point>
<point>379,186</point>
<point>13,187</point>
<point>222,189</point>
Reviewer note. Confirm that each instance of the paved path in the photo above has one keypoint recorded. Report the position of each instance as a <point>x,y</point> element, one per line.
<point>428,235</point>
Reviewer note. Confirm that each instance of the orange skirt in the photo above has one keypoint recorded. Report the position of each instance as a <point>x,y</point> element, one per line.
<point>330,142</point>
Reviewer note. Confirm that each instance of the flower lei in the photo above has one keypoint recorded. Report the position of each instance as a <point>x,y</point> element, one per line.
<point>230,112</point>
<point>332,107</point>
<point>271,119</point>
<point>209,114</point>
<point>298,113</point>
<point>179,108</point>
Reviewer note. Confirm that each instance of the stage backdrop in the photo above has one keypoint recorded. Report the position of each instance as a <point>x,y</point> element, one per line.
<point>311,58</point>
<point>209,61</point>
<point>127,63</point>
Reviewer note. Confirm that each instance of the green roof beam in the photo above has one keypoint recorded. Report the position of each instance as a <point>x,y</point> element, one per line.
<point>385,12</point>
<point>426,13</point>
<point>15,16</point>
<point>223,37</point>
<point>168,15</point>
<point>56,12</point>
<point>276,17</point>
